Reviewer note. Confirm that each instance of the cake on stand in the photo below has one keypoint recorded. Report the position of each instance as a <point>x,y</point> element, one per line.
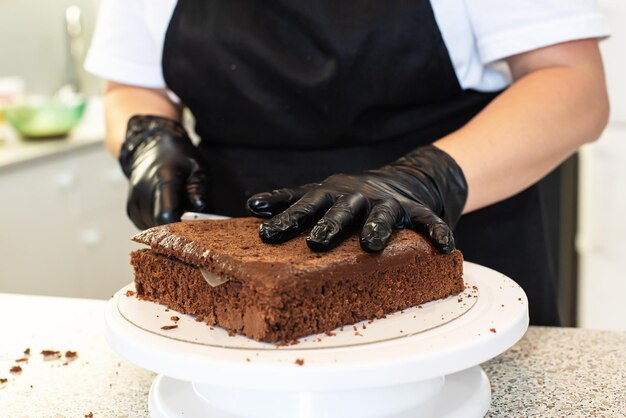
<point>420,362</point>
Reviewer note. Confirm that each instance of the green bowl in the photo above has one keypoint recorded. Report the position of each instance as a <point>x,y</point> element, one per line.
<point>45,118</point>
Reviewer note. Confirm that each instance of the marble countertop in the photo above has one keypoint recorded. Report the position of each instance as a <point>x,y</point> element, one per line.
<point>90,131</point>
<point>551,372</point>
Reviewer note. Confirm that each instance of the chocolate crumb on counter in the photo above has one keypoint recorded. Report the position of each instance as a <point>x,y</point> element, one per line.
<point>330,333</point>
<point>231,333</point>
<point>22,360</point>
<point>364,327</point>
<point>89,415</point>
<point>130,293</point>
<point>174,318</point>
<point>300,361</point>
<point>167,327</point>
<point>27,351</point>
<point>15,369</point>
<point>492,330</point>
<point>167,310</point>
<point>71,354</point>
<point>3,380</point>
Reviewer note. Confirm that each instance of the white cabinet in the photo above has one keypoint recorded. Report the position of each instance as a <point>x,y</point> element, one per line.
<point>601,238</point>
<point>63,225</point>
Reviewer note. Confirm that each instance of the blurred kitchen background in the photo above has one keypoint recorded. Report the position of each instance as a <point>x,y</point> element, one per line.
<point>63,227</point>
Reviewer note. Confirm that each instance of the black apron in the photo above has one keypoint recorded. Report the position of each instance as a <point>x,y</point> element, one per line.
<point>289,92</point>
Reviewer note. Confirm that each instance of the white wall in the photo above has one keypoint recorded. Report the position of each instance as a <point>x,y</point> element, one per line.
<point>33,45</point>
<point>602,222</point>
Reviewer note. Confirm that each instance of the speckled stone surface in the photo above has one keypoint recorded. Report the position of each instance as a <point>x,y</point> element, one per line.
<point>560,372</point>
<point>551,372</point>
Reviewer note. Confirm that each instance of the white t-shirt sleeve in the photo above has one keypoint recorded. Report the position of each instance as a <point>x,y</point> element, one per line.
<point>503,28</point>
<point>123,48</point>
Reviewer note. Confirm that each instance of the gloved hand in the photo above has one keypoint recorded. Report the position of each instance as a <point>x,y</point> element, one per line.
<point>165,172</point>
<point>424,191</point>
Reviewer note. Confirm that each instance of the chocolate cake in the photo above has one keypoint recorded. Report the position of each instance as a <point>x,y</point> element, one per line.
<point>285,291</point>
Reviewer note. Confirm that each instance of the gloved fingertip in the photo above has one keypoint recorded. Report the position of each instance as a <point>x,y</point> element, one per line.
<point>167,217</point>
<point>258,206</point>
<point>273,234</point>
<point>374,237</point>
<point>317,246</point>
<point>319,239</point>
<point>442,238</point>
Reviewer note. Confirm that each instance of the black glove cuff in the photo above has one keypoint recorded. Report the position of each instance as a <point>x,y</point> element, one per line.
<point>446,175</point>
<point>142,129</point>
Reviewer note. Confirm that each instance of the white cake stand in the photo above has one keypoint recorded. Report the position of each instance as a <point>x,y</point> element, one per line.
<point>422,362</point>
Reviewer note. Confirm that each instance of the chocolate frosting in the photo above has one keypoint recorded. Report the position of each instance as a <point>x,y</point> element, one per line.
<point>232,248</point>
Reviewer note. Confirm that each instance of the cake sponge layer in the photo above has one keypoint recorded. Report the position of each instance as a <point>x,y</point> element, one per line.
<point>299,306</point>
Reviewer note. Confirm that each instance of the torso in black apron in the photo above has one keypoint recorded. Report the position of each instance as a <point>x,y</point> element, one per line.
<point>289,92</point>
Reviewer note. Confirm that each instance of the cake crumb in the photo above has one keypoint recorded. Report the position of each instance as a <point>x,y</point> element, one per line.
<point>71,354</point>
<point>319,340</point>
<point>401,331</point>
<point>211,328</point>
<point>330,333</point>
<point>167,310</point>
<point>370,321</point>
<point>27,351</point>
<point>130,293</point>
<point>231,333</point>
<point>520,299</point>
<point>355,328</point>
<point>358,334</point>
<point>167,327</point>
<point>89,415</point>
<point>419,307</point>
<point>15,369</point>
<point>51,354</point>
<point>459,300</point>
<point>22,360</point>
<point>300,361</point>
<point>174,318</point>
<point>285,343</point>
<point>363,326</point>
<point>502,305</point>
<point>492,330</point>
<point>248,359</point>
<point>3,380</point>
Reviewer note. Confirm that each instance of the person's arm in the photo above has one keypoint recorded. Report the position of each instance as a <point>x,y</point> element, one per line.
<point>123,101</point>
<point>557,103</point>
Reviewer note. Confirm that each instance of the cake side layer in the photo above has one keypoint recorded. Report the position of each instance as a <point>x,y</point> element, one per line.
<point>233,247</point>
<point>303,307</point>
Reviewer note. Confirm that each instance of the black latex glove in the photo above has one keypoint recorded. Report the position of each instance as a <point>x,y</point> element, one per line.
<point>165,172</point>
<point>424,191</point>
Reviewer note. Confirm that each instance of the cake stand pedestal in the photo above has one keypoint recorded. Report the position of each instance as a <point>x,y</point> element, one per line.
<point>421,362</point>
